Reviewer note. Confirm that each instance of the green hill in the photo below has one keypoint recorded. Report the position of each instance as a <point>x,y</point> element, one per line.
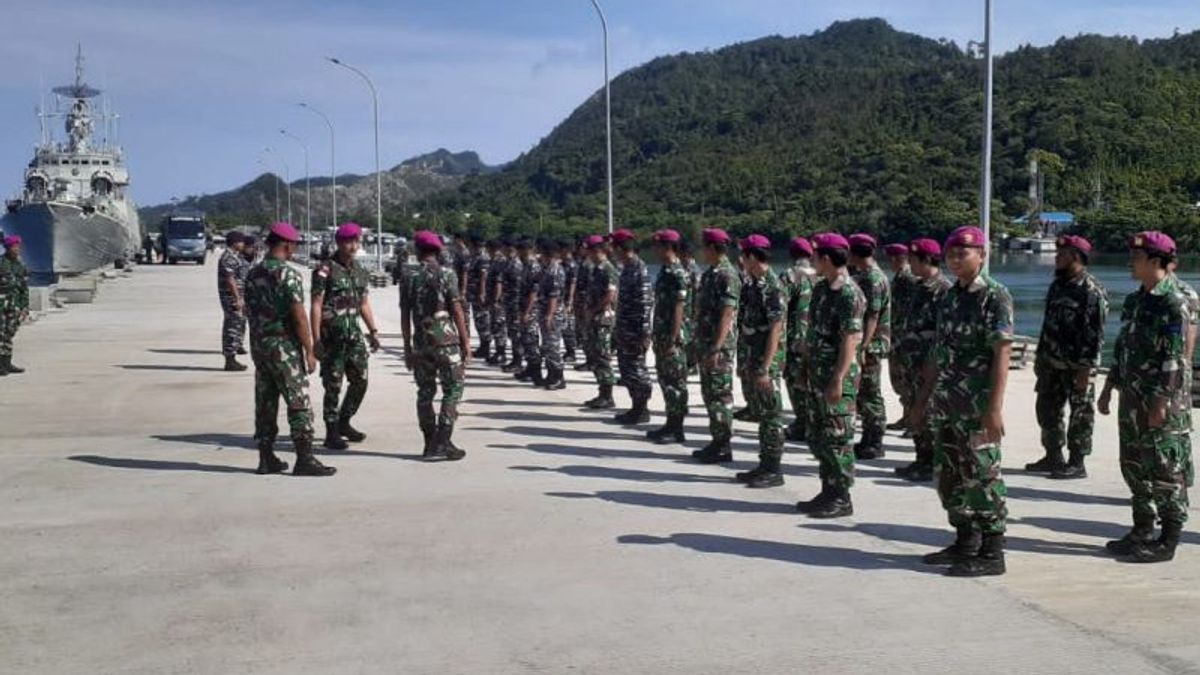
<point>862,127</point>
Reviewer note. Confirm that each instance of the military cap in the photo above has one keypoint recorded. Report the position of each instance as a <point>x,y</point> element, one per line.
<point>756,242</point>
<point>862,240</point>
<point>716,236</point>
<point>926,247</point>
<point>425,240</point>
<point>830,240</point>
<point>1153,242</point>
<point>895,249</point>
<point>667,237</point>
<point>800,246</point>
<point>967,236</point>
<point>347,231</point>
<point>622,235</point>
<point>234,237</point>
<point>285,232</point>
<point>594,241</point>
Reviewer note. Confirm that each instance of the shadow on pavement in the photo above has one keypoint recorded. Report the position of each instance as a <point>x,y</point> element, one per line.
<point>579,451</point>
<point>219,440</point>
<point>678,502</point>
<point>283,444</point>
<point>181,369</point>
<point>155,465</point>
<point>583,471</point>
<point>553,432</point>
<point>187,352</point>
<point>510,402</point>
<point>1090,528</point>
<point>526,416</point>
<point>938,538</point>
<point>801,554</point>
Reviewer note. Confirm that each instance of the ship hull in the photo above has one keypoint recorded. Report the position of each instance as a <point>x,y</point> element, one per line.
<point>60,239</point>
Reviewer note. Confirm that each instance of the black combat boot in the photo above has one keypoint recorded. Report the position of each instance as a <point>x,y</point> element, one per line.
<point>307,464</point>
<point>604,401</point>
<point>232,365</point>
<point>350,433</point>
<point>988,563</point>
<point>745,415</point>
<point>671,432</point>
<point>523,374</point>
<point>638,414</point>
<point>497,358</point>
<point>536,378</point>
<point>587,365</point>
<point>442,449</point>
<point>512,366</point>
<point>818,501</point>
<point>569,355</point>
<point>966,545</point>
<point>241,351</point>
<point>4,363</point>
<point>428,433</point>
<point>868,450</point>
<point>837,505</point>
<point>1053,460</point>
<point>484,349</point>
<point>747,476</point>
<point>714,453</point>
<point>1160,550</point>
<point>769,477</point>
<point>555,380</point>
<point>333,439</point>
<point>917,472</point>
<point>1073,469</point>
<point>796,432</point>
<point>267,461</point>
<point>1142,533</point>
<point>899,425</point>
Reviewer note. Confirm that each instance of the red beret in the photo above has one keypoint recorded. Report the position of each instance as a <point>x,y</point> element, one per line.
<point>928,247</point>
<point>715,236</point>
<point>593,241</point>
<point>425,240</point>
<point>623,235</point>
<point>286,232</point>
<point>667,237</point>
<point>968,236</point>
<point>800,246</point>
<point>830,240</point>
<point>348,231</point>
<point>756,242</point>
<point>1153,242</point>
<point>861,240</point>
<point>895,249</point>
<point>12,240</point>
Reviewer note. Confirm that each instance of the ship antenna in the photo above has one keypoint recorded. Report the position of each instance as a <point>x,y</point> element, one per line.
<point>78,65</point>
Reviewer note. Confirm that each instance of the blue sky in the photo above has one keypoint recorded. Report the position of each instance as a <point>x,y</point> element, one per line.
<point>203,87</point>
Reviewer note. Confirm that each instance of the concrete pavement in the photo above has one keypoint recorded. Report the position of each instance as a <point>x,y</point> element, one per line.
<point>136,538</point>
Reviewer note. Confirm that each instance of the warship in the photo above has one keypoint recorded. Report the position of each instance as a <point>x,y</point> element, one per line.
<point>74,214</point>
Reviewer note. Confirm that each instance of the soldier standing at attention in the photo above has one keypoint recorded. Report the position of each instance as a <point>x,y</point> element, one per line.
<point>798,284</point>
<point>551,309</point>
<point>1153,408</point>
<point>437,347</point>
<point>964,398</point>
<point>904,285</point>
<point>14,301</point>
<point>566,254</point>
<point>582,306</point>
<point>746,414</point>
<point>635,302</point>
<point>716,309</point>
<point>530,311</point>
<point>1068,354</point>
<point>497,271</point>
<point>835,330</point>
<point>1193,301</point>
<point>282,349</point>
<point>514,287</point>
<point>602,299</point>
<point>339,300</point>
<point>916,343</point>
<point>671,328</point>
<point>764,321</point>
<point>477,274</point>
<point>231,283</point>
<point>460,260</point>
<point>877,342</point>
<point>687,257</point>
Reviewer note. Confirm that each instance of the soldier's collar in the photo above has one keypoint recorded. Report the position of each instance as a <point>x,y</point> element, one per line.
<point>977,284</point>
<point>840,281</point>
<point>1161,288</point>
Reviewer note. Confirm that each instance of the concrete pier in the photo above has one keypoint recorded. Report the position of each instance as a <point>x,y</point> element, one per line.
<point>136,538</point>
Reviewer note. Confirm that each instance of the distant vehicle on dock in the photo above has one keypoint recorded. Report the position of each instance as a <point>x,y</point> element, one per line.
<point>183,236</point>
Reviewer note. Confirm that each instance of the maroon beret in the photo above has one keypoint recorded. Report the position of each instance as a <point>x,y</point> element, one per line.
<point>831,240</point>
<point>1153,242</point>
<point>800,246</point>
<point>667,237</point>
<point>286,232</point>
<point>716,236</point>
<point>927,247</point>
<point>756,242</point>
<point>593,241</point>
<point>425,240</point>
<point>968,236</point>
<point>895,249</point>
<point>348,231</point>
<point>622,235</point>
<point>863,240</point>
<point>12,240</point>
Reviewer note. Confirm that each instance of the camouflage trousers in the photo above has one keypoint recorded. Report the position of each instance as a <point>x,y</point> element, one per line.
<point>1153,463</point>
<point>233,329</point>
<point>602,353</point>
<point>1055,390</point>
<point>531,340</point>
<point>870,401</point>
<point>922,435</point>
<point>830,437</point>
<point>631,363</point>
<point>798,392</point>
<point>743,353</point>
<point>716,388</point>
<point>343,359</point>
<point>900,375</point>
<point>670,364</point>
<point>569,338</point>
<point>967,474</point>
<point>483,321</point>
<point>768,404</point>
<point>552,342</point>
<point>279,372</point>
<point>515,333</point>
<point>10,321</point>
<point>499,326</point>
<point>583,335</point>
<point>432,368</point>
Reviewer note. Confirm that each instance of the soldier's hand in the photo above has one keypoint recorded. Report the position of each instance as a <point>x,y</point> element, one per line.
<point>763,382</point>
<point>373,340</point>
<point>1105,401</point>
<point>833,393</point>
<point>311,362</point>
<point>1157,415</point>
<point>993,426</point>
<point>319,349</point>
<point>466,353</point>
<point>1082,378</point>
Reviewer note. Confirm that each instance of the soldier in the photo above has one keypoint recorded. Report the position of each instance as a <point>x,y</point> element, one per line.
<point>1153,407</point>
<point>282,349</point>
<point>963,396</point>
<point>904,285</point>
<point>477,273</point>
<point>231,284</point>
<point>249,254</point>
<point>551,309</point>
<point>497,272</point>
<point>835,329</point>
<point>602,299</point>
<point>687,258</point>
<point>746,414</point>
<point>582,306</point>
<point>672,330</point>
<point>14,301</point>
<point>763,325</point>
<point>798,283</point>
<point>916,342</point>
<point>631,336</point>
<point>570,267</point>
<point>876,343</point>
<point>437,347</point>
<point>716,309</point>
<point>1068,354</point>
<point>460,260</point>
<point>339,300</point>
<point>1193,299</point>
<point>530,311</point>
<point>406,266</point>
<point>515,295</point>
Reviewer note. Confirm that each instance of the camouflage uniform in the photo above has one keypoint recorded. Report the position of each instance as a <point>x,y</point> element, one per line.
<point>570,340</point>
<point>763,305</point>
<point>720,287</point>
<point>602,320</point>
<point>1072,339</point>
<point>272,289</point>
<point>460,260</point>
<point>343,349</point>
<point>514,287</point>
<point>904,287</point>
<point>530,335</point>
<point>971,321</point>
<point>670,356</point>
<point>14,303</point>
<point>551,286</point>
<point>799,282</point>
<point>231,267</point>
<point>497,273</point>
<point>1193,301</point>
<point>480,265</point>
<point>632,331</point>
<point>436,357</point>
<point>914,346</point>
<point>1149,364</point>
<point>874,285</point>
<point>582,309</point>
<point>837,311</point>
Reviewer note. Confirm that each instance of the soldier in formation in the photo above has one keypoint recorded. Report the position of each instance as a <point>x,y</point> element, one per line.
<point>436,345</point>
<point>281,347</point>
<point>14,301</point>
<point>1068,355</point>
<point>531,343</point>
<point>581,305</point>
<point>671,330</point>
<point>232,268</point>
<point>515,295</point>
<point>602,300</point>
<point>903,286</point>
<point>876,343</point>
<point>631,334</point>
<point>495,300</point>
<point>798,284</point>
<point>551,308</point>
<point>570,266</point>
<point>477,280</point>
<point>340,305</point>
<point>714,344</point>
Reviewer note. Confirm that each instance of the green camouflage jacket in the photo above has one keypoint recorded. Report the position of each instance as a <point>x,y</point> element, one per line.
<point>875,288</point>
<point>604,279</point>
<point>971,321</point>
<point>14,285</point>
<point>1073,327</point>
<point>342,289</point>
<point>915,345</point>
<point>837,310</point>
<point>432,293</point>
<point>272,288</point>
<point>1149,358</point>
<point>720,287</point>
<point>904,286</point>
<point>670,288</point>
<point>763,306</point>
<point>798,284</point>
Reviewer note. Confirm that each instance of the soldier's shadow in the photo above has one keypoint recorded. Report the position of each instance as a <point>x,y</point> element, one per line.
<point>283,444</point>
<point>1090,528</point>
<point>614,473</point>
<point>156,464</point>
<point>937,538</point>
<point>588,452</point>
<point>691,503</point>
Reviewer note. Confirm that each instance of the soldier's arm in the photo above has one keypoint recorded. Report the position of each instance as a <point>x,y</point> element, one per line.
<point>464,338</point>
<point>677,319</point>
<point>723,328</point>
<point>368,316</point>
<point>481,291</point>
<point>300,317</point>
<point>773,340</point>
<point>871,316</point>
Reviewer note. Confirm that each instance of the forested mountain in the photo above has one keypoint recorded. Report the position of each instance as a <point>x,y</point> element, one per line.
<point>862,127</point>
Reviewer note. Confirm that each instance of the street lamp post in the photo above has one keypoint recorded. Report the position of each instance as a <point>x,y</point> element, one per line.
<point>332,158</point>
<point>378,173</point>
<point>276,181</point>
<point>607,114</point>
<point>287,178</point>
<point>307,188</point>
<point>985,189</point>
